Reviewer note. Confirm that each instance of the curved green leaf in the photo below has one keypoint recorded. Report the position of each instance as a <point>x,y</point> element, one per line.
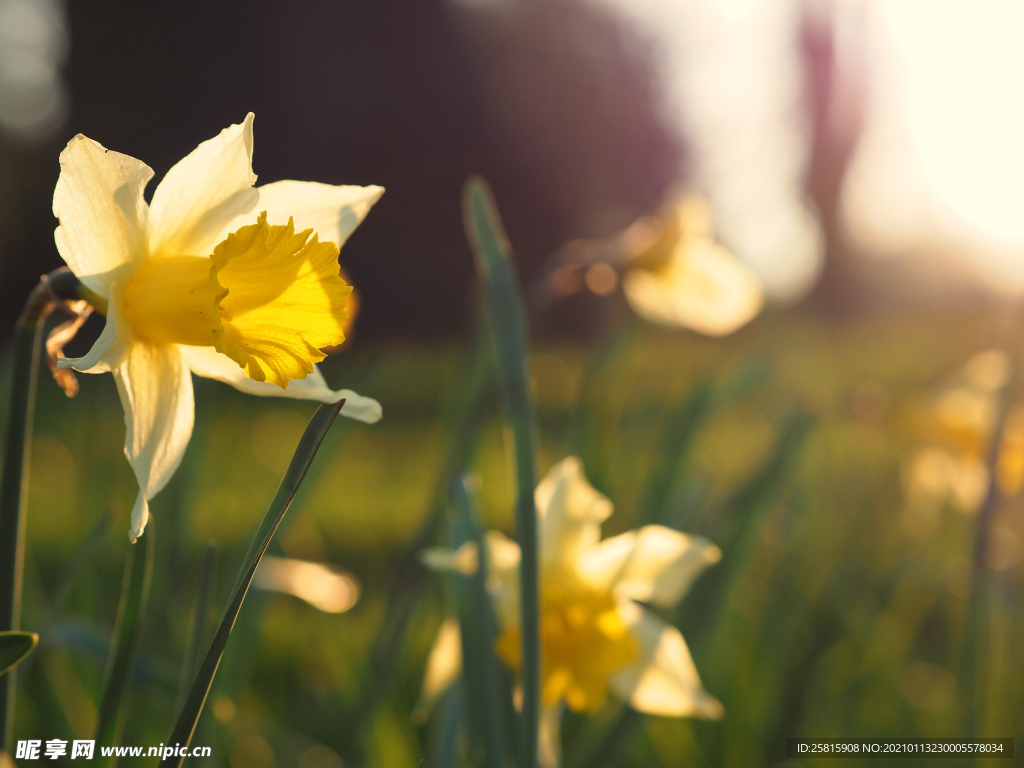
<point>14,647</point>
<point>504,306</point>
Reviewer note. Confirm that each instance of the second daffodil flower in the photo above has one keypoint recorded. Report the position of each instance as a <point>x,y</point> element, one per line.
<point>681,277</point>
<point>596,636</point>
<point>214,277</point>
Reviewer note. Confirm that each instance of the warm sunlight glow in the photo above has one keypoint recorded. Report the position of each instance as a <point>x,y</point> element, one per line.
<point>734,91</point>
<point>939,168</point>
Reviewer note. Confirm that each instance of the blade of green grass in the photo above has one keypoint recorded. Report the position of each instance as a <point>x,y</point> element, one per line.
<point>699,612</point>
<point>597,744</point>
<point>81,558</point>
<point>598,362</point>
<point>138,574</point>
<point>197,633</point>
<point>504,307</point>
<point>676,437</point>
<point>445,737</point>
<point>473,404</point>
<point>310,442</point>
<point>478,626</point>
<point>14,648</point>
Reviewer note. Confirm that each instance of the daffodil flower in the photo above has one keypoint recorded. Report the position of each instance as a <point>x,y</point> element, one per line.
<point>596,636</point>
<point>682,277</point>
<point>957,425</point>
<point>214,277</point>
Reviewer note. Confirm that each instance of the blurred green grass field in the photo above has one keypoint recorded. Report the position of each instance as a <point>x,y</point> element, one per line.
<point>834,612</point>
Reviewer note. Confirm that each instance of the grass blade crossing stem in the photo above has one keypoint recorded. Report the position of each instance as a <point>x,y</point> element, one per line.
<point>504,305</point>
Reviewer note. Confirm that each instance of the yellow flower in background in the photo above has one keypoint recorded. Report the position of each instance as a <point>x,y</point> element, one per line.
<point>214,277</point>
<point>956,426</point>
<point>682,277</point>
<point>596,638</point>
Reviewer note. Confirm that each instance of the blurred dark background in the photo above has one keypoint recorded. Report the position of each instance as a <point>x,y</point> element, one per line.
<point>554,102</point>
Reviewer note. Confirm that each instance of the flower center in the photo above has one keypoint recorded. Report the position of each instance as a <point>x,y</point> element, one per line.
<point>583,641</point>
<point>269,298</point>
<point>174,300</point>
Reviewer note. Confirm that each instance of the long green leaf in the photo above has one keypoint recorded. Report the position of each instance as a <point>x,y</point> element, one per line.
<point>197,634</point>
<point>481,673</point>
<point>14,647</point>
<point>138,574</point>
<point>310,442</point>
<point>504,307</point>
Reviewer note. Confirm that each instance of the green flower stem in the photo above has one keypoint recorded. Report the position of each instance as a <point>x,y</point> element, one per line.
<point>310,442</point>
<point>975,664</point>
<point>505,313</point>
<point>479,632</point>
<point>13,497</point>
<point>59,285</point>
<point>138,574</point>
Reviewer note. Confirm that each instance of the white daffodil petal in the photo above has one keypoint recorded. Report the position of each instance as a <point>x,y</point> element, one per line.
<point>654,564</point>
<point>102,212</point>
<point>502,570</point>
<point>202,193</point>
<point>208,362</point>
<point>443,667</point>
<point>549,736</point>
<point>464,560</point>
<point>332,212</point>
<point>140,516</point>
<point>663,680</point>
<point>503,577</point>
<point>156,392</point>
<point>110,349</point>
<point>571,513</point>
<point>705,288</point>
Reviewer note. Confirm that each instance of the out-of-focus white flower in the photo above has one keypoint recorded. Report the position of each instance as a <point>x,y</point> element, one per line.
<point>443,667</point>
<point>323,587</point>
<point>595,636</point>
<point>955,427</point>
<point>684,278</point>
